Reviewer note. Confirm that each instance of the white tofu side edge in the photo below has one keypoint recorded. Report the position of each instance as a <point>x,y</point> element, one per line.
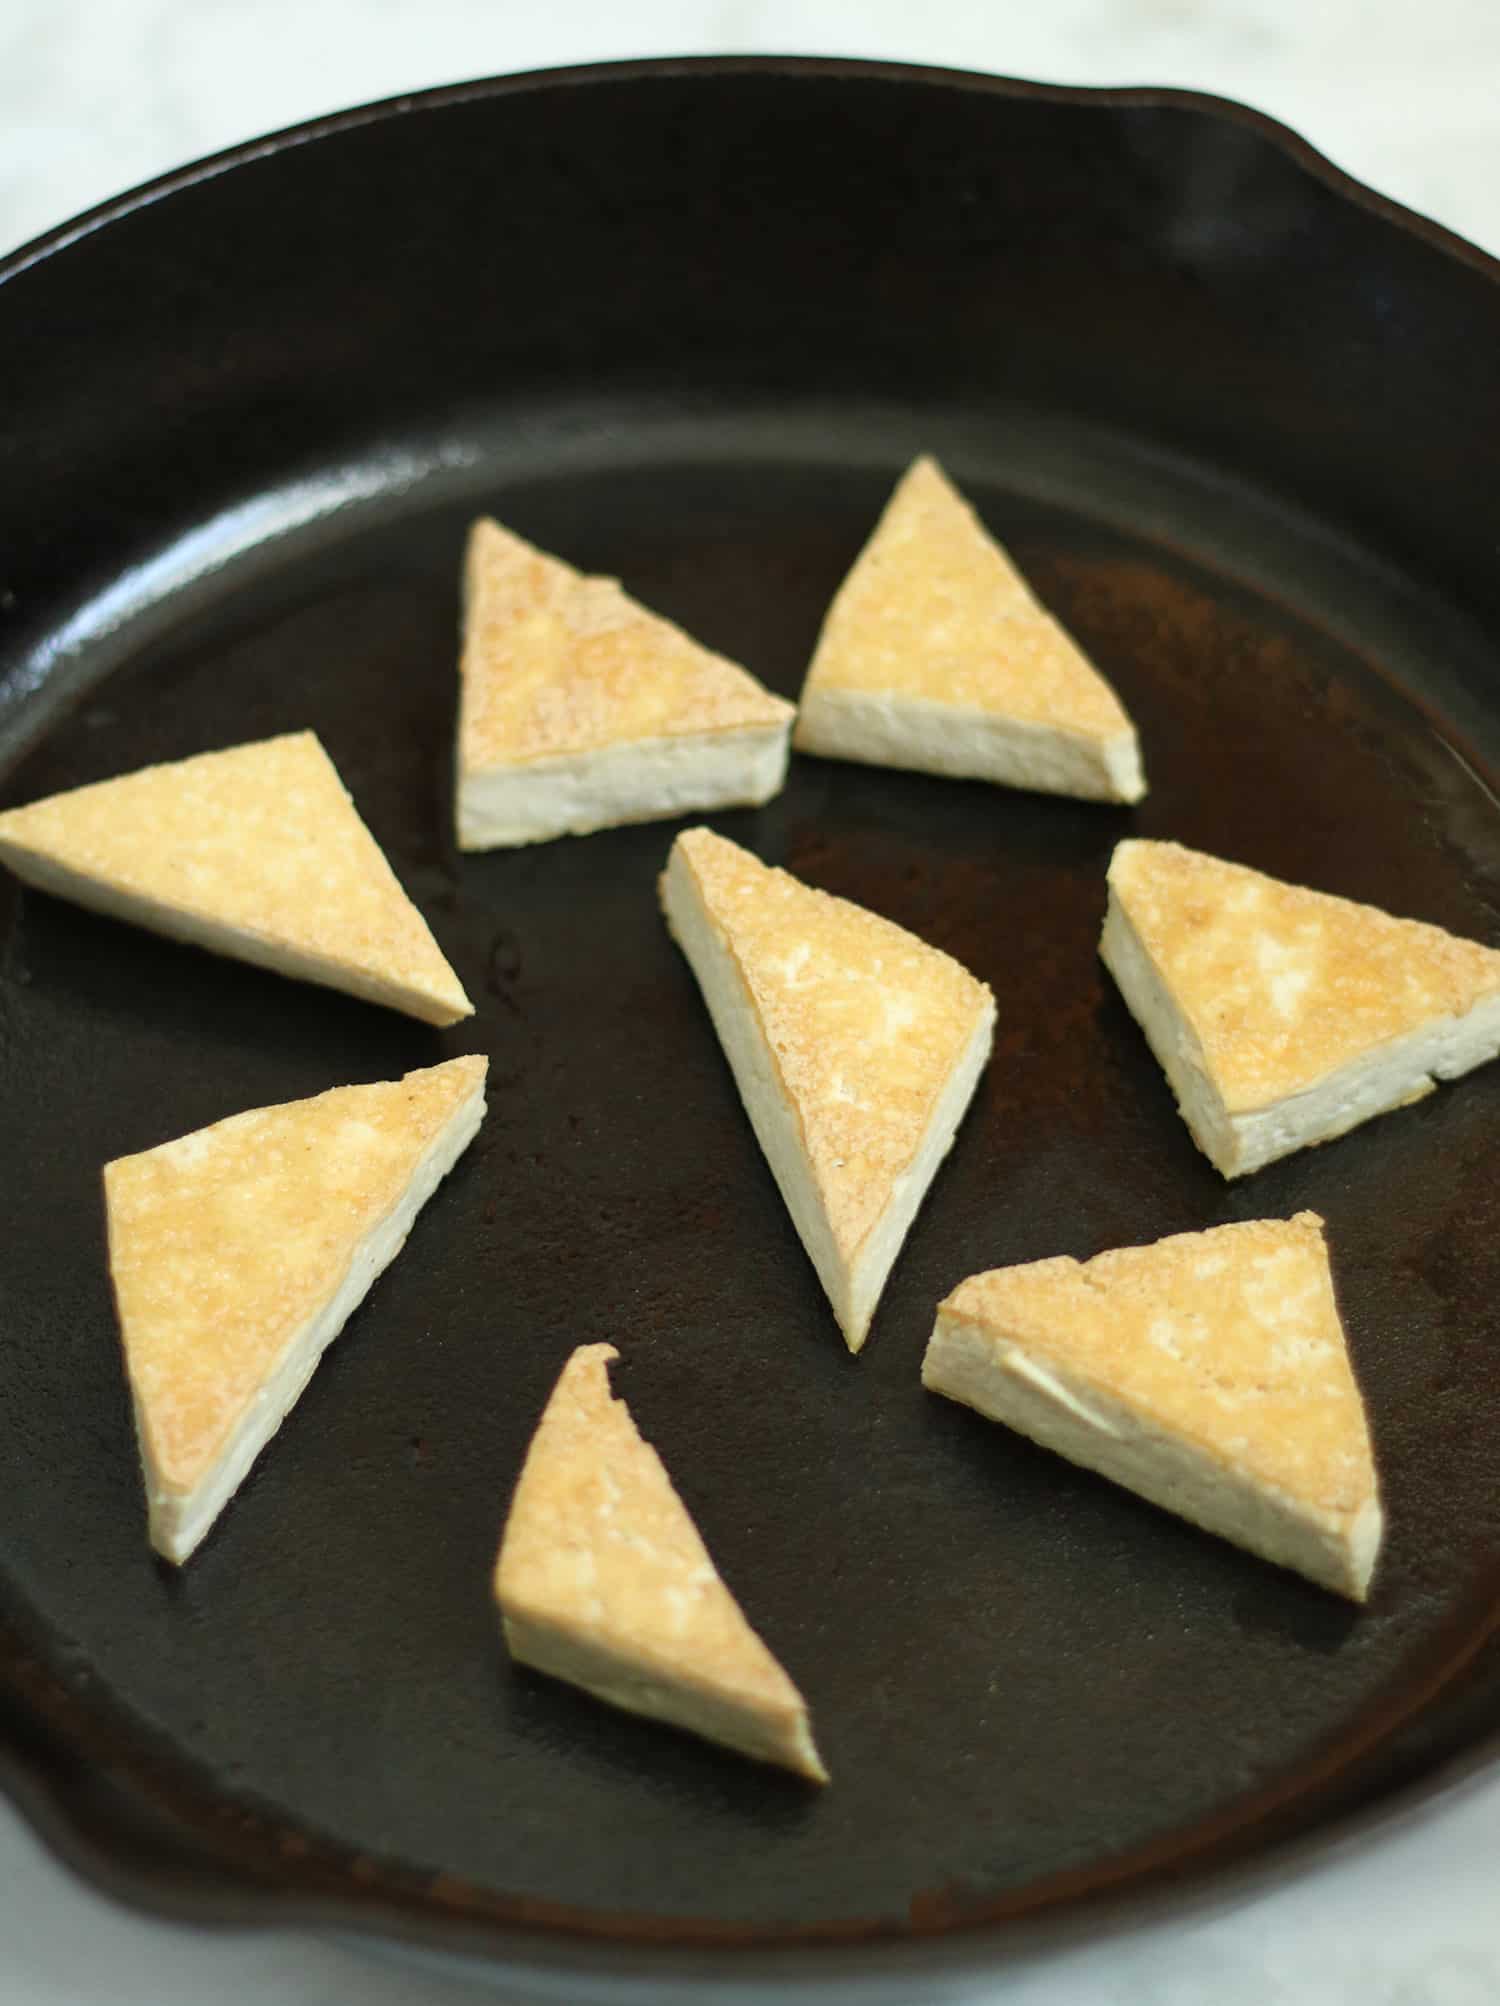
<point>199,930</point>
<point>853,1288</point>
<point>536,800</point>
<point>1094,1429</point>
<point>964,743</point>
<point>180,1519</point>
<point>1400,1071</point>
<point>685,1696</point>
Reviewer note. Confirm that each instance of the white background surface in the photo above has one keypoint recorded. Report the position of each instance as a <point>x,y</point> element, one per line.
<point>98,94</point>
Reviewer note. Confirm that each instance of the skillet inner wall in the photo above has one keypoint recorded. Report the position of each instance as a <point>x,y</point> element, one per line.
<point>1015,1670</point>
<point>1153,268</point>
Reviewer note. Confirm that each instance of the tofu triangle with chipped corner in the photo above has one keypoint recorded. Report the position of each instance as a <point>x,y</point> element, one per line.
<point>239,1252</point>
<point>1208,1372</point>
<point>580,710</point>
<point>936,656</point>
<point>603,1580</point>
<point>1283,1016</point>
<point>256,852</point>
<point>856,1048</point>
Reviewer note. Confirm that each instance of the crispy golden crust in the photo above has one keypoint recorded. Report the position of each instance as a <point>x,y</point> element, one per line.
<point>554,662</point>
<point>225,1243</point>
<point>1229,1339</point>
<point>599,1546</point>
<point>934,608</point>
<point>260,841</point>
<point>866,1022</point>
<point>1281,985</point>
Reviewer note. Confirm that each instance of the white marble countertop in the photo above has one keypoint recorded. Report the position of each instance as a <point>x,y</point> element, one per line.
<point>95,97</point>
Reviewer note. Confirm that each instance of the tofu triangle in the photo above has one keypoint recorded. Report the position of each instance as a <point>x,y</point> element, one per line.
<point>1283,1016</point>
<point>1208,1372</point>
<point>580,710</point>
<point>936,656</point>
<point>239,1252</point>
<point>603,1580</point>
<point>856,1048</point>
<point>256,852</point>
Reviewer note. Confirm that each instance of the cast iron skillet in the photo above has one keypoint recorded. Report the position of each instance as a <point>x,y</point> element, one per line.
<point>685,322</point>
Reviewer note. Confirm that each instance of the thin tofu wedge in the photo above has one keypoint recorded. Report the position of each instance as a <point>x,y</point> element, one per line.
<point>1284,1017</point>
<point>602,1580</point>
<point>579,710</point>
<point>1208,1372</point>
<point>856,1048</point>
<point>257,853</point>
<point>936,656</point>
<point>239,1252</point>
